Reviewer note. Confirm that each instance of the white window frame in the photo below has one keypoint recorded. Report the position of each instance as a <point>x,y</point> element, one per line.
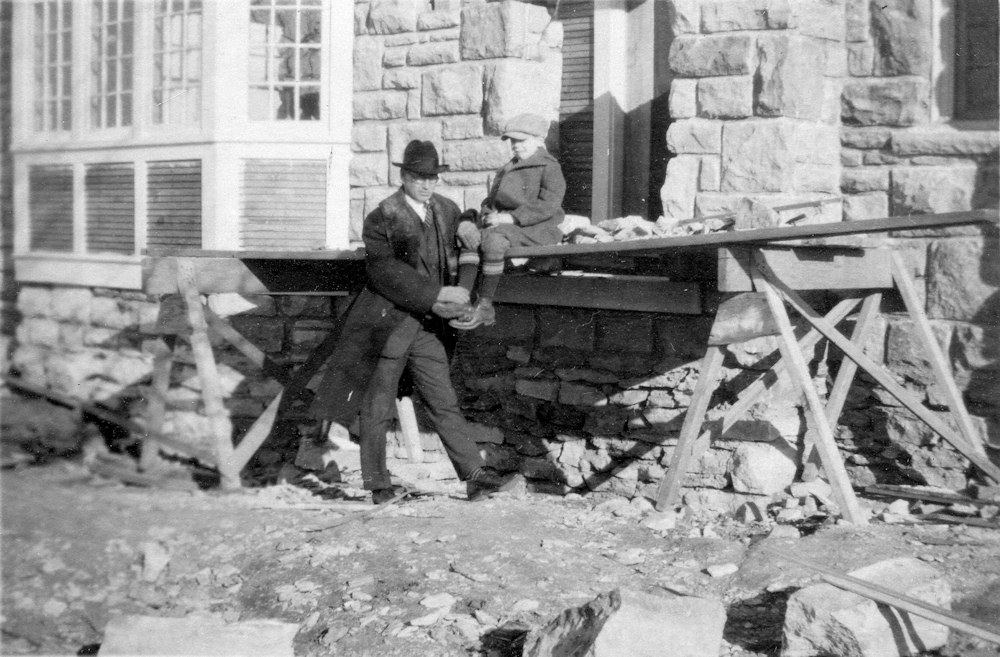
<point>221,138</point>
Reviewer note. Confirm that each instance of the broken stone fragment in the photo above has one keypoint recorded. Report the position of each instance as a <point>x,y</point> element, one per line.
<point>138,636</point>
<point>634,623</point>
<point>155,558</point>
<point>722,569</point>
<point>752,214</point>
<point>824,620</point>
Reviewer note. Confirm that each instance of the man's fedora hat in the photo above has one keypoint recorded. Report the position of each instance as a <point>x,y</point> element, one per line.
<point>421,158</point>
<point>523,126</point>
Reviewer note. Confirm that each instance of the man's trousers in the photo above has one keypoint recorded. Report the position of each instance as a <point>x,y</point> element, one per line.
<point>424,354</point>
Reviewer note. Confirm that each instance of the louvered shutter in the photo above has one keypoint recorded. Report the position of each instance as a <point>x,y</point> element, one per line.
<point>50,205</point>
<point>283,204</point>
<point>576,108</point>
<point>174,204</point>
<point>976,60</point>
<point>110,200</point>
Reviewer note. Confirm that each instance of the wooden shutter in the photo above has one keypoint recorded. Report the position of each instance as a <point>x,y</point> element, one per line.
<point>283,204</point>
<point>576,107</point>
<point>976,68</point>
<point>110,194</point>
<point>50,205</point>
<point>174,204</point>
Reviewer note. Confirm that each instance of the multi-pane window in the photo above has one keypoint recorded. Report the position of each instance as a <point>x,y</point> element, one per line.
<point>177,61</point>
<point>111,72</point>
<point>285,51</point>
<point>52,65</point>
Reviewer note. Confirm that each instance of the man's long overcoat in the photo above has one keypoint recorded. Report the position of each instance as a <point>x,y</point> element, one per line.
<point>395,290</point>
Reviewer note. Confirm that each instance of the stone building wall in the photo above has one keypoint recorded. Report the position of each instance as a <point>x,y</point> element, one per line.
<point>453,77</point>
<point>899,159</point>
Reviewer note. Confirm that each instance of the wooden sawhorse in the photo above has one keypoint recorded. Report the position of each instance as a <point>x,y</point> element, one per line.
<point>216,272</point>
<point>776,273</point>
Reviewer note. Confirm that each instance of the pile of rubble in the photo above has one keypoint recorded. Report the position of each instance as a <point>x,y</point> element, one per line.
<point>749,214</point>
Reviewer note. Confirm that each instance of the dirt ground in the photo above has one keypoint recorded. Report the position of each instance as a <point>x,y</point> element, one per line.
<point>79,549</point>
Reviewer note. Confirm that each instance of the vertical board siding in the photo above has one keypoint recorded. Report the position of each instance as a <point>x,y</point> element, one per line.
<point>283,204</point>
<point>50,205</point>
<point>110,194</point>
<point>576,107</point>
<point>173,205</point>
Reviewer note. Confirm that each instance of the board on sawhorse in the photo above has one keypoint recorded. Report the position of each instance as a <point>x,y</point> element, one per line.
<point>776,274</point>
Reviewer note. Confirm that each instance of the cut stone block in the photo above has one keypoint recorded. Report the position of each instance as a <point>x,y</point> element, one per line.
<point>824,620</point>
<point>763,468</point>
<point>626,622</point>
<point>146,636</point>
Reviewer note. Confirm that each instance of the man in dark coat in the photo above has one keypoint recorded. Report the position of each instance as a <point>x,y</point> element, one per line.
<point>523,208</point>
<point>398,321</point>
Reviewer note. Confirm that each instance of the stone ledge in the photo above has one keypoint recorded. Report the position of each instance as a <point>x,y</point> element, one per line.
<point>945,140</point>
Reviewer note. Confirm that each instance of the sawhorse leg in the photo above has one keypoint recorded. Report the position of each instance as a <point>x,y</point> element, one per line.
<point>833,464</point>
<point>208,373</point>
<point>669,491</point>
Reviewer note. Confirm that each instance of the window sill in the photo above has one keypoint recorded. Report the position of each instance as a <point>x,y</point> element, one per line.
<point>120,272</point>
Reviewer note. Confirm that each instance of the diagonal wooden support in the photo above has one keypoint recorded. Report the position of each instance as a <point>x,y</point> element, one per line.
<point>708,377</point>
<point>669,491</point>
<point>938,362</point>
<point>211,388</point>
<point>825,443</point>
<point>848,368</point>
<point>884,378</point>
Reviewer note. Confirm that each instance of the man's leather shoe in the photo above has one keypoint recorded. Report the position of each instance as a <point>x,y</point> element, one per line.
<point>383,495</point>
<point>482,315</point>
<point>486,481</point>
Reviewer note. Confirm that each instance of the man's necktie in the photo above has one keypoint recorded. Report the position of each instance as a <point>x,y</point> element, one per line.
<point>428,215</point>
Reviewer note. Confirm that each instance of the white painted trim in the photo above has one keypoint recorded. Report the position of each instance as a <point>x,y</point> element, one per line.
<point>942,79</point>
<point>79,208</point>
<point>338,197</point>
<point>63,269</point>
<point>21,77</point>
<point>140,169</point>
<point>610,98</point>
<point>22,229</point>
<point>340,67</point>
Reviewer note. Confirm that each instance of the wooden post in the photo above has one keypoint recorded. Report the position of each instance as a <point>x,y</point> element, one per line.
<point>408,427</point>
<point>708,376</point>
<point>942,371</point>
<point>825,442</point>
<point>211,388</point>
<point>163,360</point>
<point>886,380</point>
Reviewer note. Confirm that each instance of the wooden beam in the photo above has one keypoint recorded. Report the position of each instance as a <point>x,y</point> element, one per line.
<point>942,370</point>
<point>946,617</point>
<point>267,365</point>
<point>611,292</point>
<point>213,275</point>
<point>825,443</point>
<point>208,373</point>
<point>156,406</point>
<point>886,380</point>
<point>809,268</point>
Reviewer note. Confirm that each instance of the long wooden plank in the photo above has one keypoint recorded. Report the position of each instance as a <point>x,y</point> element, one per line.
<point>916,222</point>
<point>668,492</point>
<point>946,617</point>
<point>253,276</point>
<point>156,407</point>
<point>208,373</point>
<point>942,371</point>
<point>409,428</point>
<point>825,442</point>
<point>247,348</point>
<point>884,378</point>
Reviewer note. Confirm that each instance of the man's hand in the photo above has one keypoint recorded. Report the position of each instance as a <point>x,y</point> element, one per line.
<point>453,294</point>
<point>468,235</point>
<point>449,310</point>
<point>497,218</point>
